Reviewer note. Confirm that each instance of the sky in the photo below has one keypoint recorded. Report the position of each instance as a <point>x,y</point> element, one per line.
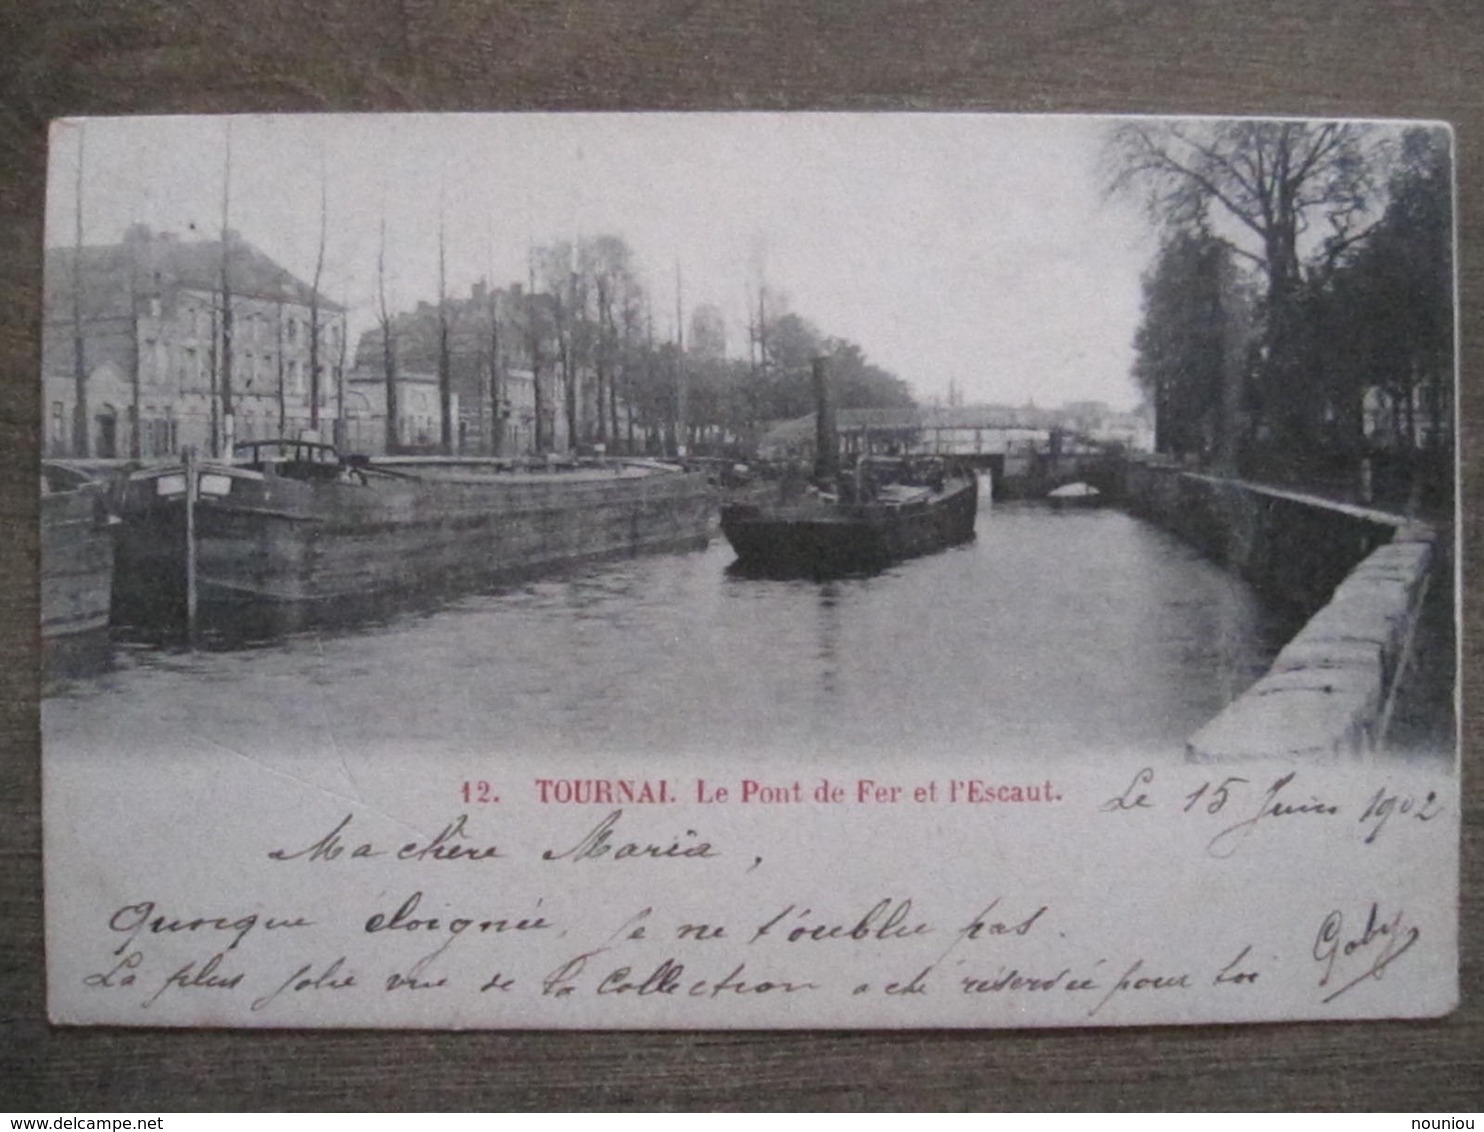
<point>974,249</point>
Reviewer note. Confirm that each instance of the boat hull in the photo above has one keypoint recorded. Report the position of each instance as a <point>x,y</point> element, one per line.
<point>273,540</point>
<point>76,563</point>
<point>833,540</point>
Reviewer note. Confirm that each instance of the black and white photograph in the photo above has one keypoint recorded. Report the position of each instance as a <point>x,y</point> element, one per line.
<point>805,557</point>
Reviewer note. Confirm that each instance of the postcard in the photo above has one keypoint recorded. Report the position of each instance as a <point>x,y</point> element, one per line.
<point>749,571</point>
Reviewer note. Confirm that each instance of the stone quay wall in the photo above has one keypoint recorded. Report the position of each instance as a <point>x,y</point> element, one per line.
<point>1359,575</point>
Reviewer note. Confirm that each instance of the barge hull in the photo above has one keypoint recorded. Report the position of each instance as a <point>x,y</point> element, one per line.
<point>848,539</point>
<point>76,564</point>
<point>318,543</point>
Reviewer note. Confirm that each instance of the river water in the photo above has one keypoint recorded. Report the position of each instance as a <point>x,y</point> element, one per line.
<point>1052,634</point>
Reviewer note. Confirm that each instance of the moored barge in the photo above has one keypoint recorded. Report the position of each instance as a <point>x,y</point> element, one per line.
<point>76,557</point>
<point>291,523</point>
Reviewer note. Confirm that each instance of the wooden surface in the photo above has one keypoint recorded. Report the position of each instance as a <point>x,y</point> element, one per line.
<point>1422,58</point>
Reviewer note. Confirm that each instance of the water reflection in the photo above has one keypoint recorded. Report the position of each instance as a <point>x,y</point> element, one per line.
<point>1052,634</point>
<point>829,636</point>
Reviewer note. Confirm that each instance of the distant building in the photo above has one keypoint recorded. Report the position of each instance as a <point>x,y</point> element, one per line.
<point>490,372</point>
<point>154,329</point>
<point>1095,420</point>
<point>499,339</point>
<point>419,420</point>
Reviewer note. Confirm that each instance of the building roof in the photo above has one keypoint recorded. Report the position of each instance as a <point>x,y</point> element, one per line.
<point>148,263</point>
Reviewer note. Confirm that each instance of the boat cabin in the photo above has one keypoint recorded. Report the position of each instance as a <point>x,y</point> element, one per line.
<point>291,459</point>
<point>873,473</point>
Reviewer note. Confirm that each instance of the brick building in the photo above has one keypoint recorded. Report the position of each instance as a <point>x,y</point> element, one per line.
<point>419,420</point>
<point>153,328</point>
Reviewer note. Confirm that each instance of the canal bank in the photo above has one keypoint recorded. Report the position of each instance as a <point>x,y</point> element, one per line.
<point>1372,668</point>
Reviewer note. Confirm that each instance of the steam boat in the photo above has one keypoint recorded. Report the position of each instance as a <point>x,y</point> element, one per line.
<point>890,509</point>
<point>886,509</point>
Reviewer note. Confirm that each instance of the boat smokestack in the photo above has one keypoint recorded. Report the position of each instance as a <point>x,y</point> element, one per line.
<point>826,439</point>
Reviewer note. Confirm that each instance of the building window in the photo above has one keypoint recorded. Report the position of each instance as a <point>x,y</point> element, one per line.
<point>59,423</point>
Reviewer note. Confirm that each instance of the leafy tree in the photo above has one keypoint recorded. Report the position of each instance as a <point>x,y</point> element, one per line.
<point>1290,197</point>
<point>858,384</point>
<point>1383,326</point>
<point>1190,344</point>
<point>792,345</point>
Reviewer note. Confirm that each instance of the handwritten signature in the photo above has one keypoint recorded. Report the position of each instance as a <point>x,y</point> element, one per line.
<point>1379,944</point>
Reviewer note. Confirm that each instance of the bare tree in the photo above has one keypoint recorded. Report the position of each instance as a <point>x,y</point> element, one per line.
<point>758,388</point>
<point>610,263</point>
<point>614,351</point>
<point>342,424</point>
<point>314,306</point>
<point>214,379</point>
<point>559,275</point>
<point>630,310</point>
<point>283,400</point>
<point>229,430</point>
<point>650,375</point>
<point>136,450</point>
<point>681,407</point>
<point>533,340</point>
<point>496,373</point>
<point>566,354</point>
<point>388,350</point>
<point>80,442</point>
<point>445,365</point>
<point>602,376</point>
